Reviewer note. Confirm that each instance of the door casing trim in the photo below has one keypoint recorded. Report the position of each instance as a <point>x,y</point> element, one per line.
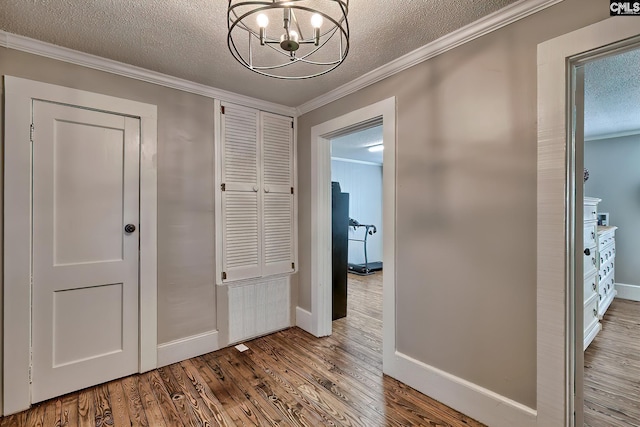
<point>19,94</point>
<point>556,311</point>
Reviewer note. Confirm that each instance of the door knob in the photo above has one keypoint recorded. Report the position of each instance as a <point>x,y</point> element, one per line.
<point>587,251</point>
<point>129,228</point>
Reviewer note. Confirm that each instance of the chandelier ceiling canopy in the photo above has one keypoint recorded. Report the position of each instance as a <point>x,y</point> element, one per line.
<point>294,39</point>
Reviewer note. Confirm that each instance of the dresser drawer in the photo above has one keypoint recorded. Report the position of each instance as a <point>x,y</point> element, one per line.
<point>606,237</point>
<point>606,267</point>
<point>590,287</point>
<point>590,261</point>
<point>590,313</point>
<point>590,232</point>
<point>606,285</point>
<point>590,213</point>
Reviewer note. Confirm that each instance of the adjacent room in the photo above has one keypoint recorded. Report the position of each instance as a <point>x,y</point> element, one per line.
<point>611,185</point>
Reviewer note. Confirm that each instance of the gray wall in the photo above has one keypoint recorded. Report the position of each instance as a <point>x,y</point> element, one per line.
<point>186,287</point>
<point>614,177</point>
<point>364,185</point>
<point>466,201</point>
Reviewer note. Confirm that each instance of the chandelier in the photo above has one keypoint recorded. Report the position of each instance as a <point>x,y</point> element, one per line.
<point>294,39</point>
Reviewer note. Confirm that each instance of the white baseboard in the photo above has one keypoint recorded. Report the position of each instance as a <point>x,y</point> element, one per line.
<point>477,402</point>
<point>186,348</point>
<point>630,292</point>
<point>304,320</point>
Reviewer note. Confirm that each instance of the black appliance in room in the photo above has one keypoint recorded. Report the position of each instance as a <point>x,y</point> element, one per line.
<point>340,249</point>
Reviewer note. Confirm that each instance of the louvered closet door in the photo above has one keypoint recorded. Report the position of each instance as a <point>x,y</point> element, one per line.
<point>277,179</point>
<point>240,198</point>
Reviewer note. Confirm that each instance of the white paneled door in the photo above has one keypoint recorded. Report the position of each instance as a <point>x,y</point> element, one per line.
<point>85,248</point>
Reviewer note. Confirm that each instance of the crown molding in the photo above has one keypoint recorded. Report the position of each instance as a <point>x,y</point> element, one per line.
<point>48,50</point>
<point>476,29</point>
<point>611,135</point>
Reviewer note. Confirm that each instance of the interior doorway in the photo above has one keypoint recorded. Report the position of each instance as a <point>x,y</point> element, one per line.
<point>384,113</point>
<point>559,248</point>
<point>606,129</point>
<point>94,269</point>
<point>356,210</point>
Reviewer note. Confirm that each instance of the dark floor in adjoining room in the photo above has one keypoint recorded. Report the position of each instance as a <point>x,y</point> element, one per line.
<point>289,378</point>
<point>612,369</point>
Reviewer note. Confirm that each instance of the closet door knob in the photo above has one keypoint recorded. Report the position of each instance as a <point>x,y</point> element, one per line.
<point>587,252</point>
<point>129,228</point>
<point>595,313</point>
<point>266,189</point>
<point>594,286</point>
<point>255,188</point>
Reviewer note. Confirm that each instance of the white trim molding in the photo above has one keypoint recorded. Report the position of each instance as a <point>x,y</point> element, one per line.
<point>556,313</point>
<point>321,289</point>
<point>304,320</point>
<point>612,135</point>
<point>476,29</point>
<point>484,405</point>
<point>186,348</point>
<point>48,50</point>
<point>629,292</point>
<point>19,94</point>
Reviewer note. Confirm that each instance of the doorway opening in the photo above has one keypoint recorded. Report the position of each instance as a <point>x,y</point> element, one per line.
<point>606,128</point>
<point>356,223</point>
<point>382,113</point>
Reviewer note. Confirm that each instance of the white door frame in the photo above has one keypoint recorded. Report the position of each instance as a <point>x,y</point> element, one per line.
<point>321,279</point>
<point>556,205</point>
<point>19,94</point>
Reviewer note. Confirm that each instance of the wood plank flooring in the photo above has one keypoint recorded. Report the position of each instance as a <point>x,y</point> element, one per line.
<point>285,379</point>
<point>612,369</point>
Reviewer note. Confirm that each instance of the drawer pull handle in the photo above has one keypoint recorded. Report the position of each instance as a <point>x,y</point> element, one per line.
<point>587,252</point>
<point>593,212</point>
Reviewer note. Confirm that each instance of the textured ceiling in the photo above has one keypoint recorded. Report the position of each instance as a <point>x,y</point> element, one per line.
<point>187,38</point>
<point>612,95</point>
<point>355,146</point>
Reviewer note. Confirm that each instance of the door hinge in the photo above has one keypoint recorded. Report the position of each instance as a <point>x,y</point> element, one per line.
<point>30,366</point>
<point>291,125</point>
<point>222,109</point>
<point>291,190</point>
<point>293,265</point>
<point>224,275</point>
<point>223,187</point>
<point>31,128</point>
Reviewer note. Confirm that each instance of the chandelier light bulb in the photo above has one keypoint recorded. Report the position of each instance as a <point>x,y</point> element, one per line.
<point>263,20</point>
<point>316,20</point>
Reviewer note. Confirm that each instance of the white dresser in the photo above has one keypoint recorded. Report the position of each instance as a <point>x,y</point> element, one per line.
<point>591,286</point>
<point>606,275</point>
<point>599,275</point>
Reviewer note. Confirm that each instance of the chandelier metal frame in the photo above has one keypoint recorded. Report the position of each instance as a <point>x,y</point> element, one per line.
<point>288,43</point>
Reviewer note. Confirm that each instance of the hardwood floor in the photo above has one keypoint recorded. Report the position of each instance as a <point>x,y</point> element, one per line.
<point>285,379</point>
<point>612,369</point>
